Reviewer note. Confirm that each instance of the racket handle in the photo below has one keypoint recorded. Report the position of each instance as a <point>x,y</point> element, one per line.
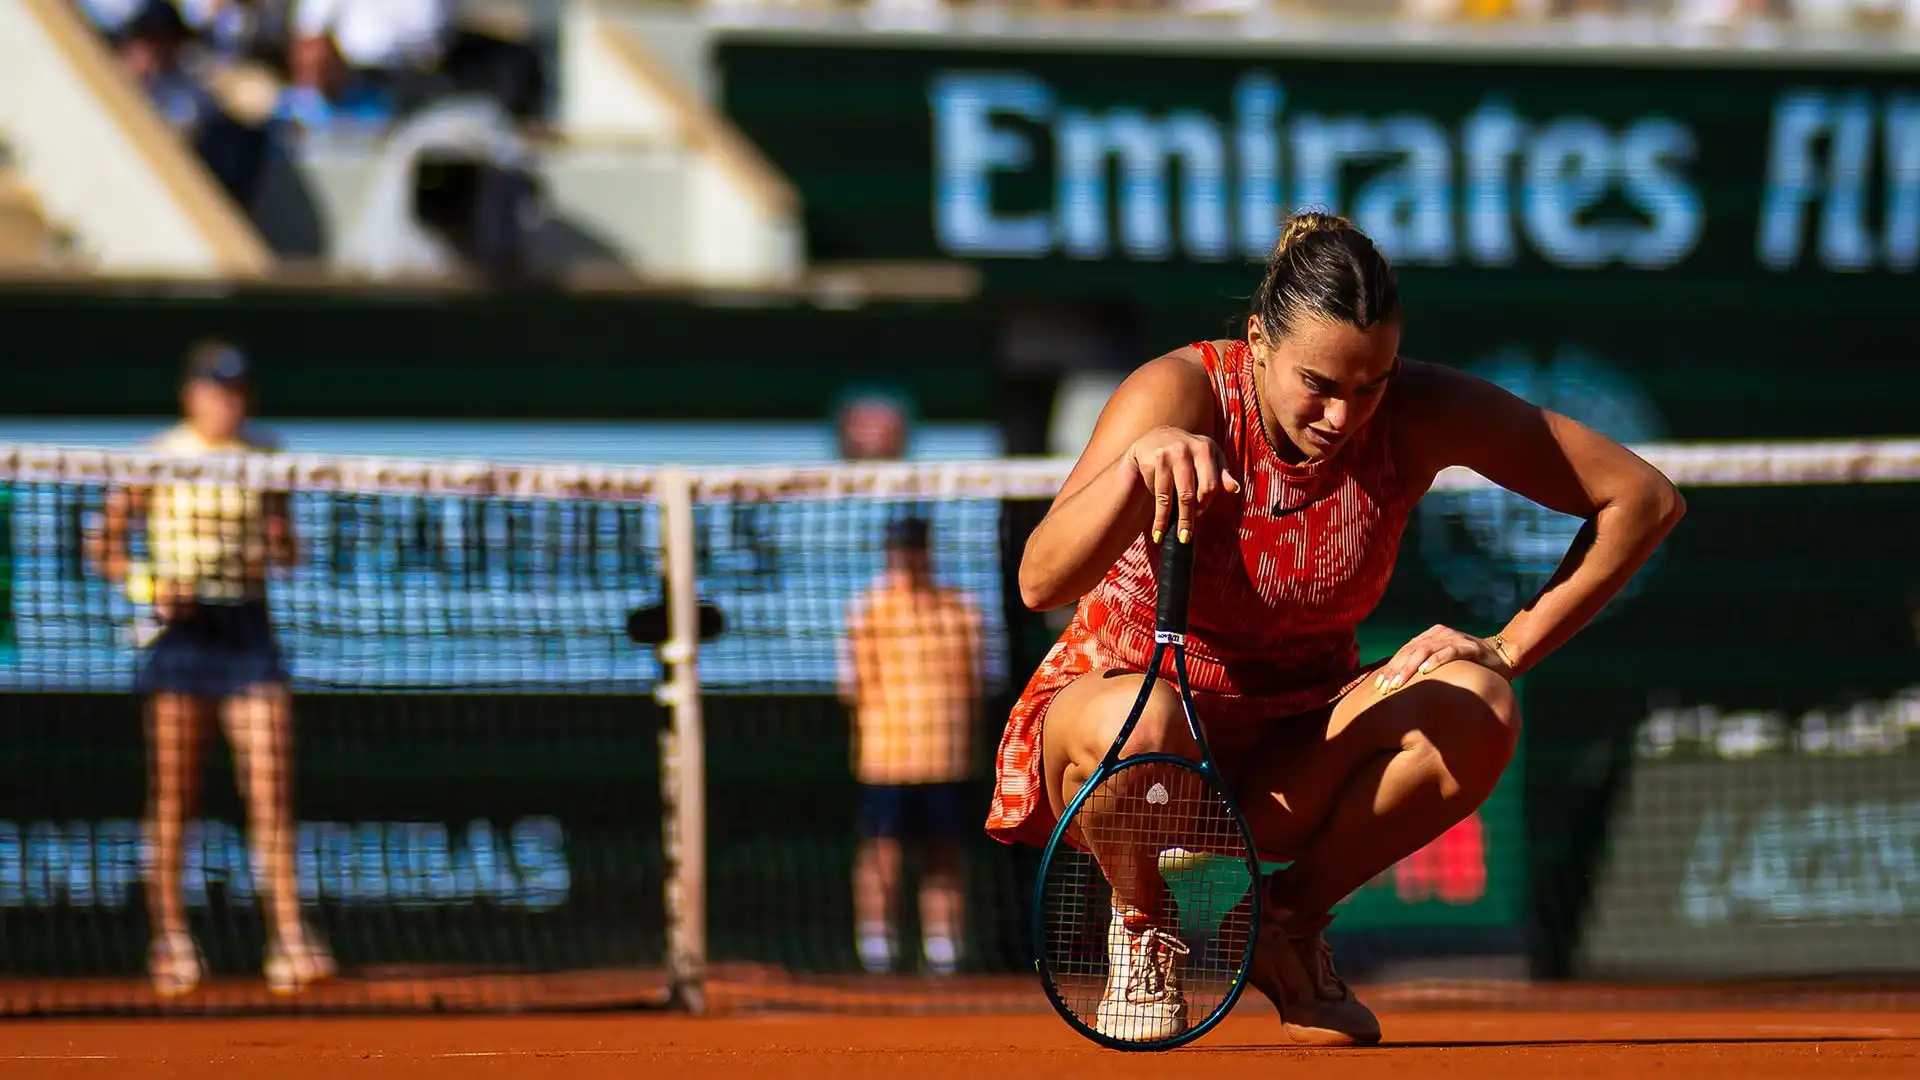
<point>1176,575</point>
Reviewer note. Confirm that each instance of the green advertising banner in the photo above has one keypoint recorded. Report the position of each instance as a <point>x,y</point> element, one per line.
<point>407,356</point>
<point>1693,234</point>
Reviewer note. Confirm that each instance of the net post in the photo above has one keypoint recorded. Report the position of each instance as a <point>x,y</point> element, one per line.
<point>683,771</point>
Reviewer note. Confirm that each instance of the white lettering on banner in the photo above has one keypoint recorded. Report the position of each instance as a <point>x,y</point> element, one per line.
<point>963,199</point>
<point>1820,178</point>
<point>1223,180</point>
<point>1144,148</point>
<point>1903,184</point>
<point>1867,727</point>
<point>84,864</point>
<point>1821,862</point>
<point>1257,104</point>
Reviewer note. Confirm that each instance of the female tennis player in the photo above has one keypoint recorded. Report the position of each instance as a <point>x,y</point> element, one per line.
<point>213,651</point>
<point>1291,460</point>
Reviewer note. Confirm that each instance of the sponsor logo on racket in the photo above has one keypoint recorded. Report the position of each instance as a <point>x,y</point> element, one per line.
<point>1157,794</point>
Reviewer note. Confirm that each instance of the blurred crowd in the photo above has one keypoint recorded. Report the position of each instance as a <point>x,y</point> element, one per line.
<point>240,77</point>
<point>1708,12</point>
<point>1825,13</point>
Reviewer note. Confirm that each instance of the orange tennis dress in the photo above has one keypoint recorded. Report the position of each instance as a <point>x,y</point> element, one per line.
<point>1276,598</point>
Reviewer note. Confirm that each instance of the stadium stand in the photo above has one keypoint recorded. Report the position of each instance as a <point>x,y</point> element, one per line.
<point>325,123</point>
<point>433,139</point>
<point>126,198</point>
<point>27,239</point>
<point>1871,15</point>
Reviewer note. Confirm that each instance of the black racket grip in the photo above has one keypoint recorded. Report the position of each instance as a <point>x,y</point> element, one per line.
<point>1176,579</point>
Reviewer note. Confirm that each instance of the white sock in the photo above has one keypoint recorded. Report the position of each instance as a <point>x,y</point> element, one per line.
<point>876,948</point>
<point>940,953</point>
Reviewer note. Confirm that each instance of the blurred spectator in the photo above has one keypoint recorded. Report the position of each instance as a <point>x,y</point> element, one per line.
<point>1725,12</point>
<point>236,30</point>
<point>152,41</point>
<point>872,427</point>
<point>912,678</point>
<point>1857,13</point>
<point>490,52</point>
<point>1887,12</point>
<point>456,184</point>
<point>227,30</point>
<point>362,60</point>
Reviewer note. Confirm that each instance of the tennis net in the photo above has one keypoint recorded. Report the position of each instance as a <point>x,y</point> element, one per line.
<point>571,737</point>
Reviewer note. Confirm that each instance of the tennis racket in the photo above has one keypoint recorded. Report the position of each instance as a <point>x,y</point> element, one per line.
<point>1145,905</point>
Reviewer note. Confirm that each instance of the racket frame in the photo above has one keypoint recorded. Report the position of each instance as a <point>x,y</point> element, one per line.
<point>1169,635</point>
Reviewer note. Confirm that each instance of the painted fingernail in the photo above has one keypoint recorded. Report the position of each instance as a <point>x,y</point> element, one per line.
<point>1397,680</point>
<point>1183,536</point>
<point>1426,666</point>
<point>1156,536</point>
<point>1379,682</point>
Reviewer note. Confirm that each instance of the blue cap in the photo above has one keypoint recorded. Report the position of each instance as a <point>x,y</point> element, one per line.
<point>220,363</point>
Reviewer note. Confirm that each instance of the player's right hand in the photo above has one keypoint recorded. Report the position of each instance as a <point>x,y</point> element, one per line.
<point>1184,472</point>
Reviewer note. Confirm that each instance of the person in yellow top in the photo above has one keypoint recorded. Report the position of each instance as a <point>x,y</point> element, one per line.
<point>912,679</point>
<point>210,649</point>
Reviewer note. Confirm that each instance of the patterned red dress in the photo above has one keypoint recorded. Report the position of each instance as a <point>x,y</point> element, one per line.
<point>1275,602</point>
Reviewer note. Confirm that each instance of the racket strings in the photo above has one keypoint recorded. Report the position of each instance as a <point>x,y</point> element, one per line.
<point>1148,921</point>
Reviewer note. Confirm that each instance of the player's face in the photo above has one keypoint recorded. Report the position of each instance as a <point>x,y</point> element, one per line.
<point>215,411</point>
<point>1323,382</point>
<point>913,562</point>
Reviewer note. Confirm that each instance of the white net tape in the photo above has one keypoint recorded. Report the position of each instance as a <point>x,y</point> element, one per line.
<point>1688,464</point>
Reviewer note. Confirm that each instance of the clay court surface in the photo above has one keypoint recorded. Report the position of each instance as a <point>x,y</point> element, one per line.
<point>1752,1045</point>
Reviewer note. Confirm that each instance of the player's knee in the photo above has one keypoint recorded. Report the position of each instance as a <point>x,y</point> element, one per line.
<point>1162,727</point>
<point>1477,724</point>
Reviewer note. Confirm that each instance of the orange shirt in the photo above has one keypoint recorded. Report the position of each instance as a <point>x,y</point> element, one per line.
<point>912,675</point>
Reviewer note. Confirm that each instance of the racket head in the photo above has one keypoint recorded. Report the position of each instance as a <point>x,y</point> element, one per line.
<point>1163,825</point>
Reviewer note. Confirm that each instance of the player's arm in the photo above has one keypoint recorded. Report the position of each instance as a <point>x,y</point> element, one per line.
<point>852,648</point>
<point>1151,464</point>
<point>1628,506</point>
<point>276,506</point>
<point>975,654</point>
<point>281,548</point>
<point>108,547</point>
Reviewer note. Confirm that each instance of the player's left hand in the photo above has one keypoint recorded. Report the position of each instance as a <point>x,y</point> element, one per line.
<point>1439,645</point>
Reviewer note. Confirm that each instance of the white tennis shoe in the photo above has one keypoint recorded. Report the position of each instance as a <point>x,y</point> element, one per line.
<point>1143,1001</point>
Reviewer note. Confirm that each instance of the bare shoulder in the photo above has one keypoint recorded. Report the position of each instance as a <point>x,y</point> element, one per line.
<point>1439,400</point>
<point>1429,387</point>
<point>1184,365</point>
<point>1433,405</point>
<point>1173,387</point>
<point>175,438</point>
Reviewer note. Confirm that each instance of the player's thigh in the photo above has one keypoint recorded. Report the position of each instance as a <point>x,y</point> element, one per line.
<point>257,717</point>
<point>1086,716</point>
<point>176,726</point>
<point>1462,710</point>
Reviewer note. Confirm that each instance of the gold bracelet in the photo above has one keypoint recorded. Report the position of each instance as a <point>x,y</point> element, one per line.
<point>1499,644</point>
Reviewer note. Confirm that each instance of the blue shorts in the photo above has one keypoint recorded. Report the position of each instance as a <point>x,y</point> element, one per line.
<point>213,651</point>
<point>920,811</point>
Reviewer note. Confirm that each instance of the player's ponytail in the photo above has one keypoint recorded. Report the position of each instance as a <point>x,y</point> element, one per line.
<point>1324,266</point>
